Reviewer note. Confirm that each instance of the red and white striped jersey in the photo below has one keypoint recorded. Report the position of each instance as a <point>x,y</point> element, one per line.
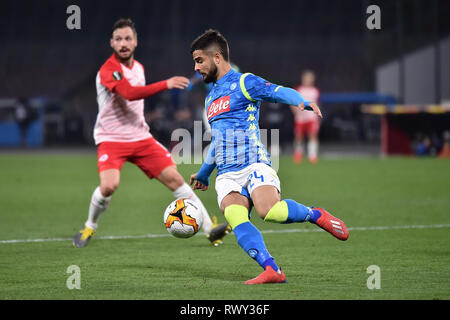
<point>119,119</point>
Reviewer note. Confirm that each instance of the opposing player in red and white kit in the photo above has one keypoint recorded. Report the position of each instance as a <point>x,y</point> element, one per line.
<point>122,134</point>
<point>306,123</point>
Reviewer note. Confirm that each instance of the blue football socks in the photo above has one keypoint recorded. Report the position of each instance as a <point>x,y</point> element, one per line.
<point>251,240</point>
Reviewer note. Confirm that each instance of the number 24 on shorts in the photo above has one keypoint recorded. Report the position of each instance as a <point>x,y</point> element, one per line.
<point>254,175</point>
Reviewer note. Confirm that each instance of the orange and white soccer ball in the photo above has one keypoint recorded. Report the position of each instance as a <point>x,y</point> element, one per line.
<point>183,218</point>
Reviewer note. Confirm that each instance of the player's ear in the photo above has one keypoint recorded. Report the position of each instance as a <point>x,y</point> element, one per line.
<point>136,38</point>
<point>111,42</point>
<point>216,57</point>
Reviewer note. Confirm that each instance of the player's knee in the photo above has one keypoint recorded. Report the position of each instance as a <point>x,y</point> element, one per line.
<point>108,189</point>
<point>262,213</point>
<point>171,178</point>
<point>263,209</point>
<point>234,198</point>
<point>264,198</point>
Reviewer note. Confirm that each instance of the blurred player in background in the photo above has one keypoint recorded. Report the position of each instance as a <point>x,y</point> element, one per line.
<point>245,177</point>
<point>445,150</point>
<point>24,115</point>
<point>122,134</point>
<point>306,123</point>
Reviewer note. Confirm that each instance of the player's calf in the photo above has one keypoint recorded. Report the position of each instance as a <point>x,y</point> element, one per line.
<point>249,237</point>
<point>289,211</point>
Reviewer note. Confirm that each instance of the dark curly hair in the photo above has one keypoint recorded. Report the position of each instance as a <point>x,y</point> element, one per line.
<point>122,23</point>
<point>211,38</point>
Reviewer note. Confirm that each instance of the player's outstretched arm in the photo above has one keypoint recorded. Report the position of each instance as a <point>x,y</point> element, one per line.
<point>129,92</point>
<point>293,97</point>
<point>256,88</point>
<point>177,82</point>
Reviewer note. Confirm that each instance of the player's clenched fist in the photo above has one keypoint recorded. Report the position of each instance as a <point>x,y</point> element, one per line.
<point>177,82</point>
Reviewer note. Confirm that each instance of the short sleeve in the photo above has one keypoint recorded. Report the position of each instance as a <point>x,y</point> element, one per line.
<point>110,75</point>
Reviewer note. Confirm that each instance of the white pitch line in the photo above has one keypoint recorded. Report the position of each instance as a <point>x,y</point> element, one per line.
<point>161,235</point>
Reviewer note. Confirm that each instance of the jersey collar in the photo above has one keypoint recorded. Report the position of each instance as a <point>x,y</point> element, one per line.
<point>118,61</point>
<point>225,77</point>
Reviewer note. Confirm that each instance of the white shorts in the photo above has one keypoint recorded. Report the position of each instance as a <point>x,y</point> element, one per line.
<point>246,180</point>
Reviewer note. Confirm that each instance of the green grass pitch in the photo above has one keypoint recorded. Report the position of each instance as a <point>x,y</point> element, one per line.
<point>46,196</point>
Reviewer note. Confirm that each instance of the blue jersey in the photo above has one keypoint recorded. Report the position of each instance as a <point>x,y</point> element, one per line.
<point>232,108</point>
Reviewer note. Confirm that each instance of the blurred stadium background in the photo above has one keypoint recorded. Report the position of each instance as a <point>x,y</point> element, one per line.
<point>382,91</point>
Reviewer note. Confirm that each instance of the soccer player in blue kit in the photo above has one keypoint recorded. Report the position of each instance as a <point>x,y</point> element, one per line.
<point>245,178</point>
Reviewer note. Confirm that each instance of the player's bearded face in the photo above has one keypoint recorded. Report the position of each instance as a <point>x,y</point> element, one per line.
<point>124,42</point>
<point>211,76</point>
<point>204,64</point>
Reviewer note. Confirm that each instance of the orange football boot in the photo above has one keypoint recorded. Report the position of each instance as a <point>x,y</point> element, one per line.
<point>332,224</point>
<point>313,160</point>
<point>297,157</point>
<point>268,276</point>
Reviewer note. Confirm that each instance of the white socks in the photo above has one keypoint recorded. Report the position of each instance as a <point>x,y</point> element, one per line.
<point>298,147</point>
<point>313,148</point>
<point>186,192</point>
<point>99,203</point>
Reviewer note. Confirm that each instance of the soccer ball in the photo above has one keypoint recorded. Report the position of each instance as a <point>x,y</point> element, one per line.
<point>183,218</point>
